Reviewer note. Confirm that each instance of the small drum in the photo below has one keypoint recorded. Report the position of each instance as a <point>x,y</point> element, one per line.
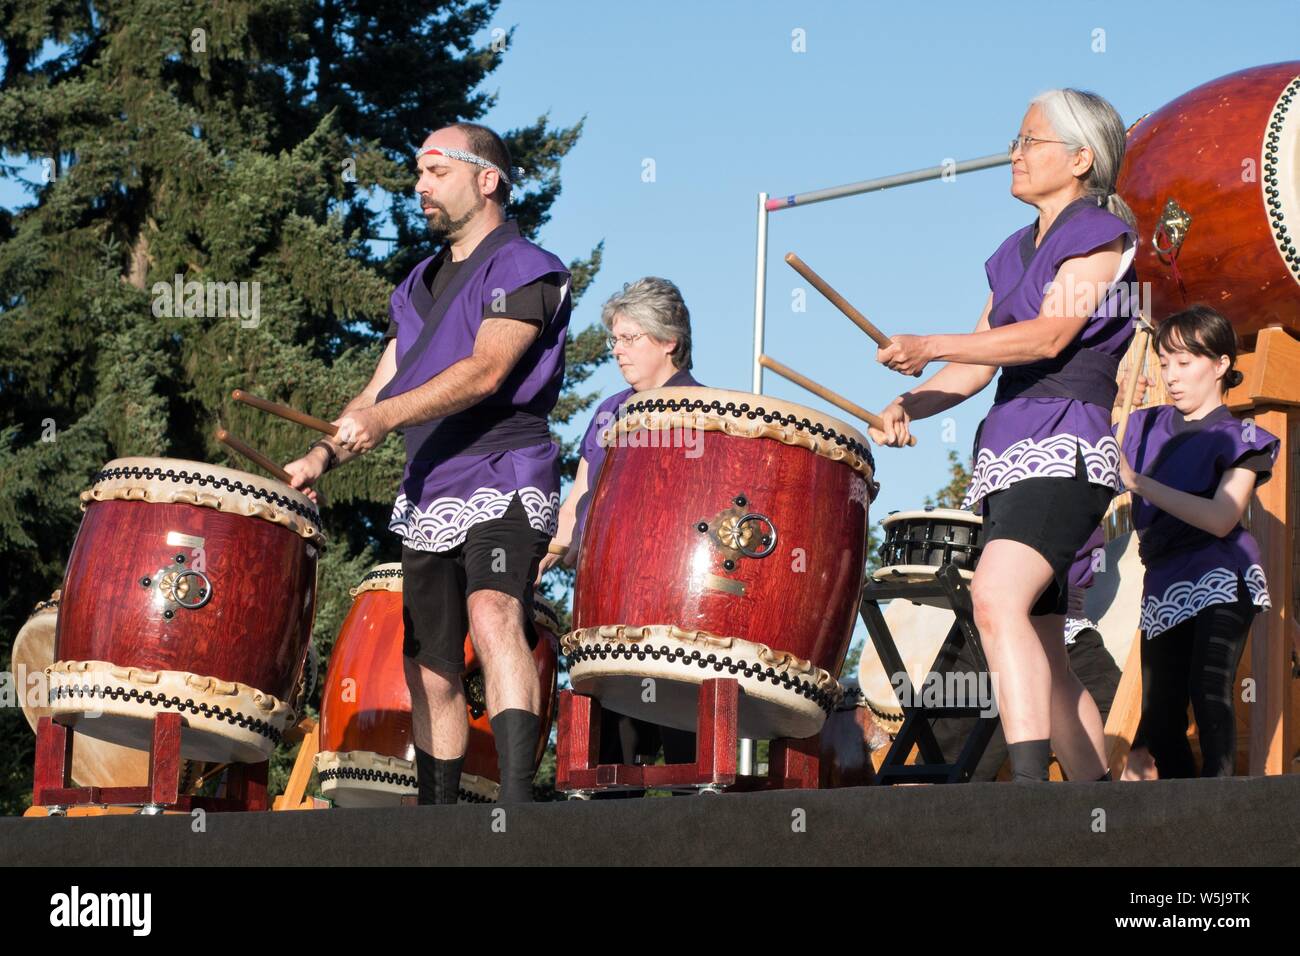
<point>848,739</point>
<point>191,588</point>
<point>367,756</point>
<point>725,538</point>
<point>1213,178</point>
<point>918,543</point>
<point>919,631</point>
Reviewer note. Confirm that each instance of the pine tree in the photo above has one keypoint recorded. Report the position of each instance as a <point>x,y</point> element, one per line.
<point>266,143</point>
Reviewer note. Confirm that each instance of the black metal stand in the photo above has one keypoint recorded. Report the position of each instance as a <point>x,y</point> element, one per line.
<point>931,766</point>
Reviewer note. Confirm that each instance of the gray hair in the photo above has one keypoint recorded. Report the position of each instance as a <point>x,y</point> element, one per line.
<point>656,306</point>
<point>1082,119</point>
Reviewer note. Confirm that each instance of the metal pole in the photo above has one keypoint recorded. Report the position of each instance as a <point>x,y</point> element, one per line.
<point>760,294</point>
<point>886,182</point>
<point>745,757</point>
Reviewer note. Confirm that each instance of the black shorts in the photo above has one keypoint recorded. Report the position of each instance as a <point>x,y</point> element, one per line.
<point>1055,517</point>
<point>497,555</point>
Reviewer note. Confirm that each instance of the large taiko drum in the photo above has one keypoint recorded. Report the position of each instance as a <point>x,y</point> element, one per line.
<point>1214,179</point>
<point>367,756</point>
<point>725,538</point>
<point>191,589</point>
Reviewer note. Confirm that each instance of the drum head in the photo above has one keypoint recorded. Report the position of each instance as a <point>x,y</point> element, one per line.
<point>191,482</point>
<point>919,631</point>
<point>942,515</point>
<point>1114,601</point>
<point>95,763</point>
<point>654,673</point>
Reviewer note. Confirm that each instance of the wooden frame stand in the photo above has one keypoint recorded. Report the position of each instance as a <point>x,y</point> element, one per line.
<point>793,764</point>
<point>52,787</point>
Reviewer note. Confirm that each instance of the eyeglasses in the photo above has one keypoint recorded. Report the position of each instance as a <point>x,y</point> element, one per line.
<point>1024,142</point>
<point>626,339</point>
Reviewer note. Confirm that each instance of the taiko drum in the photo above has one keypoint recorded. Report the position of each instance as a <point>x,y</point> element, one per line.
<point>725,538</point>
<point>191,588</point>
<point>367,756</point>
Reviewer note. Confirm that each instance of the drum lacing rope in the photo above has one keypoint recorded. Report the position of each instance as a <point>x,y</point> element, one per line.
<point>243,721</point>
<point>202,480</point>
<point>753,414</point>
<point>803,686</point>
<point>368,774</point>
<point>1272,167</point>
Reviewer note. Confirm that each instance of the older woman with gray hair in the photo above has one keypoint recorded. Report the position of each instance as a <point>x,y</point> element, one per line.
<point>650,336</point>
<point>1056,322</point>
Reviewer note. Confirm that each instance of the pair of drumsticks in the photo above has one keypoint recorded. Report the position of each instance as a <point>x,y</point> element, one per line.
<point>274,408</point>
<point>882,340</point>
<point>858,319</point>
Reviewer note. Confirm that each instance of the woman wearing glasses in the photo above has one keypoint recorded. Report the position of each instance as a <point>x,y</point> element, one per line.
<point>650,336</point>
<point>1056,322</point>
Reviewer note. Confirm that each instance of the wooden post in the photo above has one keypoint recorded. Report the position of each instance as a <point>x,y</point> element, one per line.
<point>1125,709</point>
<point>716,729</point>
<point>295,791</point>
<point>1270,394</point>
<point>1270,644</point>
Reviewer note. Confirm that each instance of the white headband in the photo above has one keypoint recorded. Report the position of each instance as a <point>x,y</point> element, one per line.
<point>464,157</point>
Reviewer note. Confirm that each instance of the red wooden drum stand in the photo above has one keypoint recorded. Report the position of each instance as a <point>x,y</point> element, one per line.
<point>95,762</point>
<point>245,784</point>
<point>191,590</point>
<point>793,764</point>
<point>725,539</point>
<point>367,756</point>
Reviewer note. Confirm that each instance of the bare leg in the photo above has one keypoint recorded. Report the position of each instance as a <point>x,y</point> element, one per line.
<point>1008,580</point>
<point>496,625</point>
<point>1078,737</point>
<point>438,718</point>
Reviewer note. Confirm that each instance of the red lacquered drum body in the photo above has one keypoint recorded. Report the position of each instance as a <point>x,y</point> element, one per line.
<point>367,756</point>
<point>1227,155</point>
<point>725,538</point>
<point>191,588</point>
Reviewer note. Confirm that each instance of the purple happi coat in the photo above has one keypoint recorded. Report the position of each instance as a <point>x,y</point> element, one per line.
<point>593,453</point>
<point>1188,569</point>
<point>1045,411</point>
<point>468,466</point>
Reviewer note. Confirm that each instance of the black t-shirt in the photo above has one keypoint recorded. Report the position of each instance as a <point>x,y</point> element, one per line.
<point>538,301</point>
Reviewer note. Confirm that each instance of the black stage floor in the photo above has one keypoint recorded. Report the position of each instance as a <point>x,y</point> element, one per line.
<point>1231,822</point>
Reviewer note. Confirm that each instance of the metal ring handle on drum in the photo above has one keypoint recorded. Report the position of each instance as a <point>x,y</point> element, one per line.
<point>740,546</point>
<point>204,592</point>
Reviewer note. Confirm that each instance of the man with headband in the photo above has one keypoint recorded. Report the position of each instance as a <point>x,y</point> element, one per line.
<point>470,372</point>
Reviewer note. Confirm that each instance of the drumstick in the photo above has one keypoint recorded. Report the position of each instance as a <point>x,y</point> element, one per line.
<point>821,285</point>
<point>285,412</point>
<point>871,418</point>
<point>1130,388</point>
<point>252,454</point>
